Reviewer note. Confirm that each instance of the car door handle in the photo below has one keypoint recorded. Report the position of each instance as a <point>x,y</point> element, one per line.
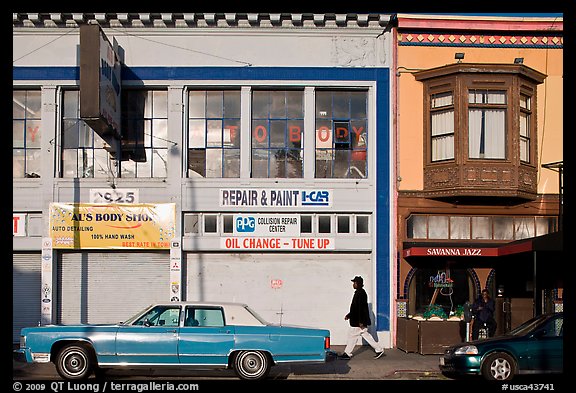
<point>171,331</point>
<point>226,331</point>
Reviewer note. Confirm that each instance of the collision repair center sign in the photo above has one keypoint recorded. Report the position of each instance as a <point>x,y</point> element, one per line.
<point>112,226</point>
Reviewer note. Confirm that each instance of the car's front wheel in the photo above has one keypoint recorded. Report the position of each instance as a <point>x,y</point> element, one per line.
<point>74,362</point>
<point>252,365</point>
<point>499,367</point>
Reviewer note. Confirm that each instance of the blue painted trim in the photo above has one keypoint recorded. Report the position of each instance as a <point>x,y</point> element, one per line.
<point>379,75</point>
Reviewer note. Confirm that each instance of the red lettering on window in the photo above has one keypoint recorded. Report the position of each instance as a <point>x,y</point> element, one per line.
<point>32,132</point>
<point>341,132</point>
<point>324,134</point>
<point>294,133</point>
<point>357,131</point>
<point>260,133</point>
<point>233,130</point>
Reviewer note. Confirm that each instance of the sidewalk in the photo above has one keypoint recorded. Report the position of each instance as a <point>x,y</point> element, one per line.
<point>395,364</point>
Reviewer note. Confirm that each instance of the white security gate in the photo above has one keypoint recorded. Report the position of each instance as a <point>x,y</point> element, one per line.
<point>26,292</point>
<point>110,287</point>
<point>301,289</point>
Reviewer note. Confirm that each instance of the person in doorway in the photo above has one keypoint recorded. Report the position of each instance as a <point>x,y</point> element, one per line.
<point>483,309</point>
<point>359,319</point>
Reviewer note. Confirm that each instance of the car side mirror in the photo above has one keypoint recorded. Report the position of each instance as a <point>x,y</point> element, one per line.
<point>147,322</point>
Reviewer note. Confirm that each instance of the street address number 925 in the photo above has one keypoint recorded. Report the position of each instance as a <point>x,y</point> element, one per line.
<point>110,195</point>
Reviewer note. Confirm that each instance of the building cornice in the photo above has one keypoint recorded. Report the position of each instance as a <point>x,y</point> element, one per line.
<point>202,20</point>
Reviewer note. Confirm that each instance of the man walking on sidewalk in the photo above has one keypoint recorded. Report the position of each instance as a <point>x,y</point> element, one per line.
<point>359,318</point>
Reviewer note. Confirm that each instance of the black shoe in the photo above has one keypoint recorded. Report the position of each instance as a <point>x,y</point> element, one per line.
<point>378,355</point>
<point>344,356</point>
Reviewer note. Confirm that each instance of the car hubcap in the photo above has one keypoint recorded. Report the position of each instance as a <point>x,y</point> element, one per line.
<point>252,364</point>
<point>500,369</point>
<point>74,363</point>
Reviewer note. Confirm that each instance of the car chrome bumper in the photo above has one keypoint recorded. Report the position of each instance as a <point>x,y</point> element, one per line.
<point>25,355</point>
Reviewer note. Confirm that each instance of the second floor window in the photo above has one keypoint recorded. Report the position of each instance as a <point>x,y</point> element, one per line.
<point>83,152</point>
<point>341,134</point>
<point>26,133</point>
<point>145,113</point>
<point>442,126</point>
<point>277,133</point>
<point>214,133</point>
<point>487,124</point>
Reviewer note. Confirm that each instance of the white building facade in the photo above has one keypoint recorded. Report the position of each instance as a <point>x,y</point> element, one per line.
<point>252,163</point>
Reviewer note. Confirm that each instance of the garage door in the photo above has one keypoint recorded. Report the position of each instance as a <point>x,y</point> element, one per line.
<point>110,287</point>
<point>301,289</point>
<point>26,293</point>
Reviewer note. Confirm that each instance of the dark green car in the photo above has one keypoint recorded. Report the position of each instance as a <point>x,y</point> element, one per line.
<point>535,347</point>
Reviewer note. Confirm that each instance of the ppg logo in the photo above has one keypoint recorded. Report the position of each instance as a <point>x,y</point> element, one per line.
<point>315,198</point>
<point>245,224</point>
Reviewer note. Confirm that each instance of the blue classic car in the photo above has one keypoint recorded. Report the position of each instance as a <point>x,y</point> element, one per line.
<point>182,334</point>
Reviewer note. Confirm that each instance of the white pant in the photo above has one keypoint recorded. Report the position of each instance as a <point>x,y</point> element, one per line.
<point>354,333</point>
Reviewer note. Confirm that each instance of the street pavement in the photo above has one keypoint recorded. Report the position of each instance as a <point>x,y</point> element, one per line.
<point>395,364</point>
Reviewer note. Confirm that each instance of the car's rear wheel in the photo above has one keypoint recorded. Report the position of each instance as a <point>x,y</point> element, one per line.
<point>252,365</point>
<point>499,367</point>
<point>74,362</point>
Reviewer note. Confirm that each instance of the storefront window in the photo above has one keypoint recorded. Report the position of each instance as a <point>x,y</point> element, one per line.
<point>448,288</point>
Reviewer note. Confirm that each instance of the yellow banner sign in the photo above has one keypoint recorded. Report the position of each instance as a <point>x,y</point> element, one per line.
<point>115,226</point>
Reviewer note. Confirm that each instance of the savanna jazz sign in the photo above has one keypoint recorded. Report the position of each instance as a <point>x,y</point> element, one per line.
<point>112,226</point>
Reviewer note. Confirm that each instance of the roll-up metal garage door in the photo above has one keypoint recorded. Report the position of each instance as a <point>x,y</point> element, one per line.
<point>110,287</point>
<point>300,289</point>
<point>26,292</point>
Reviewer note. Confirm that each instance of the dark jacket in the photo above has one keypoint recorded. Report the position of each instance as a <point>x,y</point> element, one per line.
<point>359,309</point>
<point>486,314</point>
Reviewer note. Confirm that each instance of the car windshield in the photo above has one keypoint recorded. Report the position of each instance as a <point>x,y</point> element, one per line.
<point>258,317</point>
<point>527,326</point>
<point>135,316</point>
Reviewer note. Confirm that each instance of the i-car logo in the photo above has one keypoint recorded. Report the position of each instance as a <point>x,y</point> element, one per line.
<point>245,224</point>
<point>315,198</point>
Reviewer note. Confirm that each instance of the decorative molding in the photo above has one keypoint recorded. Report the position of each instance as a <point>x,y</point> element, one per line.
<point>553,40</point>
<point>215,20</point>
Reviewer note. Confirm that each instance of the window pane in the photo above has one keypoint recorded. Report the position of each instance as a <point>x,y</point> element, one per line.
<point>487,134</point>
<point>160,164</point>
<point>196,133</point>
<point>231,163</point>
<point>441,99</point>
<point>459,227</point>
<point>324,224</point>
<point>18,133</point>
<point>191,223</point>
<point>160,104</point>
<point>343,224</point>
<point>323,105</point>
<point>277,133</point>
<point>214,137</point>
<point>524,227</point>
<point>214,104</point>
<point>196,104</point>
<point>196,162</point>
<point>544,225</point>
<point>228,223</point>
<point>33,99</point>
<point>214,163</point>
<point>259,163</point>
<point>294,164</point>
<point>341,105</point>
<point>71,104</point>
<point>503,228</point>
<point>358,105</point>
<point>231,103</point>
<point>260,106</point>
<point>18,104</point>
<point>305,224</point>
<point>362,224</point>
<point>438,227</point>
<point>481,228</point>
<point>210,223</point>
<point>277,105</point>
<point>18,164</point>
<point>294,104</point>
<point>416,227</point>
